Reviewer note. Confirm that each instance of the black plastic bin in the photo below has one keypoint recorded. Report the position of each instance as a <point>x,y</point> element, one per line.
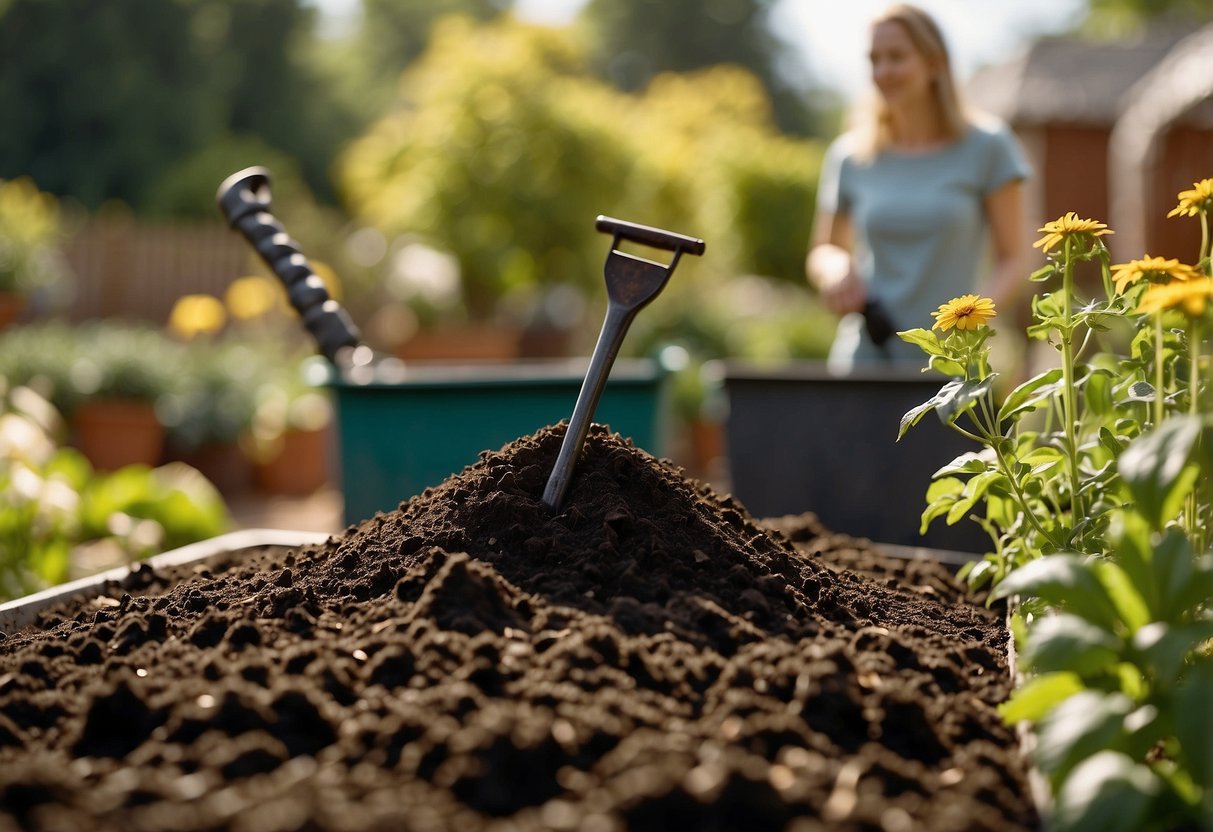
<point>803,439</point>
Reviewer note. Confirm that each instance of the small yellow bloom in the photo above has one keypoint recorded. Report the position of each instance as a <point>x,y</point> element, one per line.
<point>251,297</point>
<point>1198,200</point>
<point>1068,226</point>
<point>1190,295</point>
<point>196,314</point>
<point>964,312</point>
<point>1150,268</point>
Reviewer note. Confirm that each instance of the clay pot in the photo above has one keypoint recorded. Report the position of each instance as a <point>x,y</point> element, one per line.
<point>300,468</point>
<point>463,343</point>
<point>11,307</point>
<point>114,433</point>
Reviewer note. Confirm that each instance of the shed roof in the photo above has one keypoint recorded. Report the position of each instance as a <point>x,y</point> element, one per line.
<point>1070,80</point>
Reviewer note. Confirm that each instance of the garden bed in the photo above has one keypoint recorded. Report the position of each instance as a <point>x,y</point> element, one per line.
<point>650,658</point>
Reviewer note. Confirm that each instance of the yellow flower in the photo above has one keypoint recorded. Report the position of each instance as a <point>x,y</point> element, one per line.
<point>1199,200</point>
<point>1152,268</point>
<point>195,314</point>
<point>1068,226</point>
<point>1190,295</point>
<point>251,297</point>
<point>964,312</point>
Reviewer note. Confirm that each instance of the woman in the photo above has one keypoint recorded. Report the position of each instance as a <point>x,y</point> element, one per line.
<point>906,199</point>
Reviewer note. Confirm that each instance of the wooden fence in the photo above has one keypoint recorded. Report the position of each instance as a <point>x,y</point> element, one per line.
<point>138,271</point>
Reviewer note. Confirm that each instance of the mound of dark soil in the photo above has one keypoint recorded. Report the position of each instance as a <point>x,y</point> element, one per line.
<point>649,658</point>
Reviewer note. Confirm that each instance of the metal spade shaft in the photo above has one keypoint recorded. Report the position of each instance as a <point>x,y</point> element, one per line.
<point>632,282</point>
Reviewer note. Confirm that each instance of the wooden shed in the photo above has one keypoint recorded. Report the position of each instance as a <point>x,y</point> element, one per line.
<point>1114,131</point>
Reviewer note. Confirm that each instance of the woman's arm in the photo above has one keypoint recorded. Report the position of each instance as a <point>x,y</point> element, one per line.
<point>1004,212</point>
<point>829,266</point>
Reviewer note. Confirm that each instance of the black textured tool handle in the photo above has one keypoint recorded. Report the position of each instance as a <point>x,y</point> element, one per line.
<point>244,199</point>
<point>649,236</point>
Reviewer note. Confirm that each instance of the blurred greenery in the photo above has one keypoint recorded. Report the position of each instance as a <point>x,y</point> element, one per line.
<point>504,147</point>
<point>52,503</point>
<point>635,41</point>
<point>30,237</point>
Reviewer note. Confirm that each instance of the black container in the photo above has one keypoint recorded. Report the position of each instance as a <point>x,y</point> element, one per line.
<point>802,439</point>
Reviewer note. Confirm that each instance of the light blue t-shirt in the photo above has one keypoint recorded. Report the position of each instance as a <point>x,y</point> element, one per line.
<point>919,224</point>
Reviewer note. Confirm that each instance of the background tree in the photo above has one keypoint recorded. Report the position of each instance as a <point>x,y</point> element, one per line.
<point>108,98</point>
<point>634,40</point>
<point>504,148</point>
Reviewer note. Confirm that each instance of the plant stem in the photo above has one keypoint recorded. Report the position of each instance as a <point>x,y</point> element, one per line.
<point>1195,334</point>
<point>1158,381</point>
<point>1019,496</point>
<point>1069,400</point>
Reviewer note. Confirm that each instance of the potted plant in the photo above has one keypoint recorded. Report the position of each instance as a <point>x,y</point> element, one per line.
<point>290,434</point>
<point>120,374</point>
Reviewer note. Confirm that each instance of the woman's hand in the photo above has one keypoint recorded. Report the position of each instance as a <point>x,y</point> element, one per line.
<point>829,269</point>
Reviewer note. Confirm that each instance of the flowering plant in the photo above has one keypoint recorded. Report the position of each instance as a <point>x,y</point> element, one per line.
<point>1094,477</point>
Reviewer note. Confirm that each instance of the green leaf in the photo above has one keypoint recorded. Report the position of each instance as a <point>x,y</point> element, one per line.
<point>958,396</point>
<point>1043,273</point>
<point>1032,394</point>
<point>946,366</point>
<point>1156,470</point>
<point>1194,722</point>
<point>1107,792</point>
<point>1062,641</point>
<point>1199,588</point>
<point>1067,581</point>
<point>975,489</point>
<point>1088,722</point>
<point>1097,392</point>
<point>942,494</point>
<point>1040,695</point>
<point>1165,648</point>
<point>1129,534</point>
<point>1131,606</point>
<point>1140,391</point>
<point>1109,441</point>
<point>1172,572</point>
<point>913,416</point>
<point>924,339</point>
<point>967,463</point>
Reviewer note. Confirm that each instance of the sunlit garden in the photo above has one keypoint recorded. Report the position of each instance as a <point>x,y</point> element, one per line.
<point>580,555</point>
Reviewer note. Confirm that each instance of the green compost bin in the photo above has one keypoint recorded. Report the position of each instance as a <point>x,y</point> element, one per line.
<point>429,420</point>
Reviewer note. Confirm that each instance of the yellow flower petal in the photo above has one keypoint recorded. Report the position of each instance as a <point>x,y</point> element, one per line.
<point>1068,226</point>
<point>251,297</point>
<point>964,312</point>
<point>196,314</point>
<point>1154,269</point>
<point>1198,200</point>
<point>1192,296</point>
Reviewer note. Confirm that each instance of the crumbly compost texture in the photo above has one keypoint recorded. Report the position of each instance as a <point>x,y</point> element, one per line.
<point>650,657</point>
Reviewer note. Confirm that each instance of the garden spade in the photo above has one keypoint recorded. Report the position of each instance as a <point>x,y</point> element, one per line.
<point>631,283</point>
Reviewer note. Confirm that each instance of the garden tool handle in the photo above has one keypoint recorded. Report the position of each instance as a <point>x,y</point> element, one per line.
<point>649,236</point>
<point>244,200</point>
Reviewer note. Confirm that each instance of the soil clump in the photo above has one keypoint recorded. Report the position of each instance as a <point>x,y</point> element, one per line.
<point>651,657</point>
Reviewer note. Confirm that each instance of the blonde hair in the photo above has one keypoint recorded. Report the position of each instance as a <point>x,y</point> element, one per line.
<point>873,123</point>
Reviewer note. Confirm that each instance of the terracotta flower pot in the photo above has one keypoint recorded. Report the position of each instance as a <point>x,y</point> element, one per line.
<point>11,307</point>
<point>114,433</point>
<point>300,468</point>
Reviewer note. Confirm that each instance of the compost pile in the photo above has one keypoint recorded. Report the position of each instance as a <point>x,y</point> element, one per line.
<point>649,658</point>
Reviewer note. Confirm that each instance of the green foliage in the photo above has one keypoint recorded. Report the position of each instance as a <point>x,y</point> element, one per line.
<point>634,41</point>
<point>30,238</point>
<point>1095,477</point>
<point>51,501</point>
<point>504,149</point>
<point>113,95</point>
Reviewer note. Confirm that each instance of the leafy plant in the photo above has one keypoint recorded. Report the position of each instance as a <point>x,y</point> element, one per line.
<point>1095,480</point>
<point>51,501</point>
